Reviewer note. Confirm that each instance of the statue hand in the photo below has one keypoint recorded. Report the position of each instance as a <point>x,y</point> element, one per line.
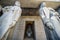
<point>50,26</point>
<point>12,24</point>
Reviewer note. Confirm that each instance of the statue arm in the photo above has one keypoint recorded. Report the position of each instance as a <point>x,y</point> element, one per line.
<point>45,20</point>
<point>41,13</point>
<point>16,16</point>
<point>49,25</point>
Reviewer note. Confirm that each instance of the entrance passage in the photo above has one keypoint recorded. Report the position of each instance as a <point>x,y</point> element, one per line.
<point>29,31</point>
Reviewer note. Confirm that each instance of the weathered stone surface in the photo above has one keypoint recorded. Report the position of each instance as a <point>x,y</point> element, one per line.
<point>9,18</point>
<point>31,3</point>
<point>20,28</point>
<point>30,12</point>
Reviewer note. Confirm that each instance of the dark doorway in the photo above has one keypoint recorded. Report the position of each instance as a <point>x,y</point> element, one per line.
<point>29,30</point>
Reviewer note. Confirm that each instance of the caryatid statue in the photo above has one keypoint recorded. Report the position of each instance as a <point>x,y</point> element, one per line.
<point>55,20</point>
<point>50,20</point>
<point>9,18</point>
<point>44,13</point>
<point>54,13</point>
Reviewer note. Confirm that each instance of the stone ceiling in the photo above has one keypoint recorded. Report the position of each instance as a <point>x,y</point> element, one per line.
<point>31,3</point>
<point>35,3</point>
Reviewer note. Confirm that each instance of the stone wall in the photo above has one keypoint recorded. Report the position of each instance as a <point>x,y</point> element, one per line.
<point>20,28</point>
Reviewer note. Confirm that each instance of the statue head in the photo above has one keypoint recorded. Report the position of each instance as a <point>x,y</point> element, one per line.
<point>17,3</point>
<point>0,7</point>
<point>43,4</point>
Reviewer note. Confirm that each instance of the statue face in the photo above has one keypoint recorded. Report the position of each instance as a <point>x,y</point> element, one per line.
<point>17,3</point>
<point>43,4</point>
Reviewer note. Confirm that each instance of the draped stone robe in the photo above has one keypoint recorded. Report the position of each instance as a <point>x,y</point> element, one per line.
<point>55,21</point>
<point>50,22</point>
<point>45,15</point>
<point>9,18</point>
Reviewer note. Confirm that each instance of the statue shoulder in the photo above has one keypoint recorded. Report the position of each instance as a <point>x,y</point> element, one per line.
<point>6,8</point>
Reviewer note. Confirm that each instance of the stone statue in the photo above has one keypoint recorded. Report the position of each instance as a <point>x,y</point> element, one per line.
<point>44,13</point>
<point>55,20</point>
<point>50,20</point>
<point>54,13</point>
<point>9,18</point>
